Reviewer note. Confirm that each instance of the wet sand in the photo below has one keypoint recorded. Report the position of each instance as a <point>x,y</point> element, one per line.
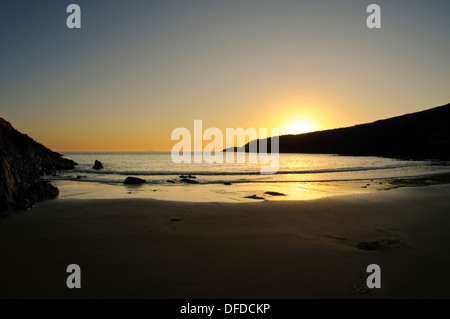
<point>273,249</point>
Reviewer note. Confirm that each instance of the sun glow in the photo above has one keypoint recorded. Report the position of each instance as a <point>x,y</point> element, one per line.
<point>300,127</point>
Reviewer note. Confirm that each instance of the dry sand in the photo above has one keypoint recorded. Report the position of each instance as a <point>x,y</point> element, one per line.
<point>284,249</point>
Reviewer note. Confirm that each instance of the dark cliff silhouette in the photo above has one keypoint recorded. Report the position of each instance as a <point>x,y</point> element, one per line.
<point>22,164</point>
<point>420,135</point>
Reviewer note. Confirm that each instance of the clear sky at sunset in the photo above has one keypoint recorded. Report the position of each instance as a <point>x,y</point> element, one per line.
<point>137,70</point>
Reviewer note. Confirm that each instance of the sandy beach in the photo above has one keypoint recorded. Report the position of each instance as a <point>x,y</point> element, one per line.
<point>282,249</point>
<point>179,151</point>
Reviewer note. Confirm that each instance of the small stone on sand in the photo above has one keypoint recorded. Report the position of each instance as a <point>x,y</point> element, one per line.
<point>275,194</point>
<point>254,197</point>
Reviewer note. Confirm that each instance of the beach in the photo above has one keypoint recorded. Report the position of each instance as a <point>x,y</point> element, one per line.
<point>224,150</point>
<point>146,248</point>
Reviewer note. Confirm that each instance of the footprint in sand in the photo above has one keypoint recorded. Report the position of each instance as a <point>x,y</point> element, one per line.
<point>337,238</point>
<point>384,244</point>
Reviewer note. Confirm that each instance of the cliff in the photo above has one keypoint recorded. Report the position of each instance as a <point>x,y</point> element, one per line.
<point>420,135</point>
<point>22,164</point>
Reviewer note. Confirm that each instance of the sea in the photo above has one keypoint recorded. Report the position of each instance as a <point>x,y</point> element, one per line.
<point>299,177</point>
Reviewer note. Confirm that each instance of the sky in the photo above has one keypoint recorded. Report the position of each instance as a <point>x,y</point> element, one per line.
<point>137,70</point>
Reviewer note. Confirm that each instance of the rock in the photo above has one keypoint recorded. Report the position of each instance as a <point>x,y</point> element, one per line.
<point>97,165</point>
<point>171,181</point>
<point>254,197</point>
<point>23,162</point>
<point>134,181</point>
<point>275,194</point>
<point>188,176</point>
<point>227,183</point>
<point>37,192</point>
<point>79,177</point>
<point>189,181</point>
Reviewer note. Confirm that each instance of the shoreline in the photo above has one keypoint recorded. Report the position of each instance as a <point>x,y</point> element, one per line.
<point>243,192</point>
<point>144,248</point>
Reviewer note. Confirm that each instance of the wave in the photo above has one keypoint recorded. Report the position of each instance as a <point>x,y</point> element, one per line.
<point>241,173</point>
<point>214,182</point>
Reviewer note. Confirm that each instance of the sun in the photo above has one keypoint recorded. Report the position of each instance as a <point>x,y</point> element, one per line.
<point>300,127</point>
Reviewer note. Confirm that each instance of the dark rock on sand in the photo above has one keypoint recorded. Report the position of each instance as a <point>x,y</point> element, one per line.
<point>384,244</point>
<point>171,181</point>
<point>23,162</point>
<point>134,181</point>
<point>275,194</point>
<point>189,181</point>
<point>227,183</point>
<point>254,197</point>
<point>188,176</point>
<point>97,165</point>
